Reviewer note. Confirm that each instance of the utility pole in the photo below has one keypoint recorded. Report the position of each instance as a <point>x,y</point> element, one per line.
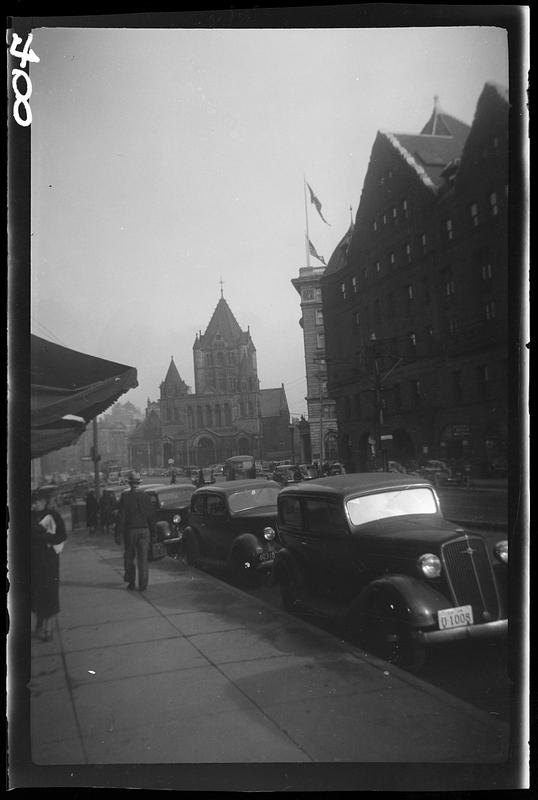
<point>96,459</point>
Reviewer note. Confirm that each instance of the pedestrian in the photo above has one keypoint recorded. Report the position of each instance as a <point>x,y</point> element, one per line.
<point>92,511</point>
<point>173,477</point>
<point>136,527</point>
<point>201,479</point>
<point>47,540</point>
<point>107,507</point>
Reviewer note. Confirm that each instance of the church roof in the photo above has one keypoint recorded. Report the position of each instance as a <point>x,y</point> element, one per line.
<point>223,322</point>
<point>173,378</point>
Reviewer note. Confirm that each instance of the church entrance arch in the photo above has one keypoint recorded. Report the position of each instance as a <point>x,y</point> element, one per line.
<point>205,452</point>
<point>244,446</point>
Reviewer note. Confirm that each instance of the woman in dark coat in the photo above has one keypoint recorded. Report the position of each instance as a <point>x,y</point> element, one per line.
<point>47,538</point>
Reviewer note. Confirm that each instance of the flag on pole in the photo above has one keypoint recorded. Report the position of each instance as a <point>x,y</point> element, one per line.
<point>313,252</point>
<point>315,201</point>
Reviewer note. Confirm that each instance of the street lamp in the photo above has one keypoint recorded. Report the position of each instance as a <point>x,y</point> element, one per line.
<point>291,429</point>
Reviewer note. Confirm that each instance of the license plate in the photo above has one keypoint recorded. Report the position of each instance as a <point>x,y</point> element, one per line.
<point>267,556</point>
<point>455,617</point>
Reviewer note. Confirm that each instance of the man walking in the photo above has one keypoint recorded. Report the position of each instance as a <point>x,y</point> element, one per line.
<point>136,525</point>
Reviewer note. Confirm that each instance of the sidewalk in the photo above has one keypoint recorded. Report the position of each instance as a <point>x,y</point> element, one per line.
<point>195,671</point>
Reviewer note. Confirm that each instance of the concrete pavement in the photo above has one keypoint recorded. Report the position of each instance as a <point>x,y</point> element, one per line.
<point>194,671</point>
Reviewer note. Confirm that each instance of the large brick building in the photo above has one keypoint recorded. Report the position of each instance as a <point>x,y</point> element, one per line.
<point>416,304</point>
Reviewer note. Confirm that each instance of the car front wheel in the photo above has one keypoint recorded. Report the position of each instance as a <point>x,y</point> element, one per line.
<point>384,633</point>
<point>291,587</point>
<point>192,550</point>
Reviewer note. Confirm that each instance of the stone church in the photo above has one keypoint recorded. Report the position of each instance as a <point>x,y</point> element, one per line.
<point>227,414</point>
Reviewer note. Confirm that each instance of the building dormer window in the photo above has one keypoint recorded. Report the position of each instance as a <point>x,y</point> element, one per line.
<point>405,209</point>
<point>377,267</point>
<point>409,291</point>
<point>395,214</point>
<point>423,242</point>
<point>374,225</point>
<point>392,260</point>
<point>343,290</point>
<point>407,251</point>
<point>384,219</point>
<point>355,284</point>
<point>494,208</point>
<point>449,228</point>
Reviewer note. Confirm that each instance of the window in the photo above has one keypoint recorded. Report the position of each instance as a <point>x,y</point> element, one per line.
<point>343,290</point>
<point>415,393</point>
<point>474,214</point>
<point>412,345</point>
<point>482,381</point>
<point>317,295</point>
<point>392,260</point>
<point>307,294</point>
<point>198,504</point>
<point>289,512</point>
<point>449,229</point>
<point>407,253</point>
<point>494,208</point>
<point>486,271</point>
<point>320,341</point>
<point>319,316</point>
<point>395,214</point>
<point>452,326</point>
<point>356,320</point>
<point>377,267</point>
<point>355,285</point>
<point>405,209</point>
<point>216,507</point>
<point>490,310</point>
<point>409,291</point>
<point>423,242</point>
<point>374,224</point>
<point>324,516</point>
<point>384,219</point>
<point>365,273</point>
<point>457,386</point>
<point>448,283</point>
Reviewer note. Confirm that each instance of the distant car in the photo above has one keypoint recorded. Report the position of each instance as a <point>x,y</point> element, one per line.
<point>438,472</point>
<point>171,504</point>
<point>308,472</point>
<point>286,473</point>
<point>336,468</point>
<point>233,525</point>
<point>374,551</point>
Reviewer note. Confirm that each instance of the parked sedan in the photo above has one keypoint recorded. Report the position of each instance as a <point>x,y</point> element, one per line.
<point>171,503</point>
<point>374,551</point>
<point>232,525</point>
<point>287,473</point>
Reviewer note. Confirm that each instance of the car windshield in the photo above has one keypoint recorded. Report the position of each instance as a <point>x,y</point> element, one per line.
<point>394,503</point>
<point>253,498</point>
<point>178,497</point>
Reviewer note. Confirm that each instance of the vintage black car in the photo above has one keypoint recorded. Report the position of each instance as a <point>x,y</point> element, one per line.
<point>374,551</point>
<point>232,525</point>
<point>287,473</point>
<point>171,503</point>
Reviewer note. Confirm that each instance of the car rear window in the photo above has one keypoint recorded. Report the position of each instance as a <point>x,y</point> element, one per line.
<point>396,503</point>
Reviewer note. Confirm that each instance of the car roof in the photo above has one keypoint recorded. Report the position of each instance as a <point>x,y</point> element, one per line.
<point>233,486</point>
<point>354,483</point>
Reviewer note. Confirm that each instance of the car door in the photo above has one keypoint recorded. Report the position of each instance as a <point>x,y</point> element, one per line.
<point>327,539</point>
<point>219,530</point>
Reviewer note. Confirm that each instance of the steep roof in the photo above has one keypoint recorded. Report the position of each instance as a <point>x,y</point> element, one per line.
<point>440,141</point>
<point>273,401</point>
<point>173,378</point>
<point>223,322</point>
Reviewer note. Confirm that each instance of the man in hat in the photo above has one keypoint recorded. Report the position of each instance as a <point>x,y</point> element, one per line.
<point>136,526</point>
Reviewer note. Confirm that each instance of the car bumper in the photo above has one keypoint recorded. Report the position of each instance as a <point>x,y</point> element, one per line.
<point>486,630</point>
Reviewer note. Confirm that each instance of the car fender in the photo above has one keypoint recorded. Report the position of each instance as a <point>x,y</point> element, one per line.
<point>420,600</point>
<point>163,529</point>
<point>245,545</point>
<point>286,559</point>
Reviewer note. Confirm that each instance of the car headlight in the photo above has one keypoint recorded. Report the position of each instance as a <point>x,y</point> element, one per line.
<point>176,519</point>
<point>429,565</point>
<point>501,551</point>
<point>269,534</point>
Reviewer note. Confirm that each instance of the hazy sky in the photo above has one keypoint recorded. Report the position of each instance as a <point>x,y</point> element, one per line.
<point>165,160</point>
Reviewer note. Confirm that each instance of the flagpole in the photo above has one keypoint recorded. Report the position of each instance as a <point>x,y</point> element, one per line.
<point>307,243</point>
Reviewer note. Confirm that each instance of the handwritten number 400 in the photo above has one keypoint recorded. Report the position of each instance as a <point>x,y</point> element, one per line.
<point>22,98</point>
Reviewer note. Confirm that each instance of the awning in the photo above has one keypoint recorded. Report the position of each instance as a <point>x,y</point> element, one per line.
<point>68,389</point>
